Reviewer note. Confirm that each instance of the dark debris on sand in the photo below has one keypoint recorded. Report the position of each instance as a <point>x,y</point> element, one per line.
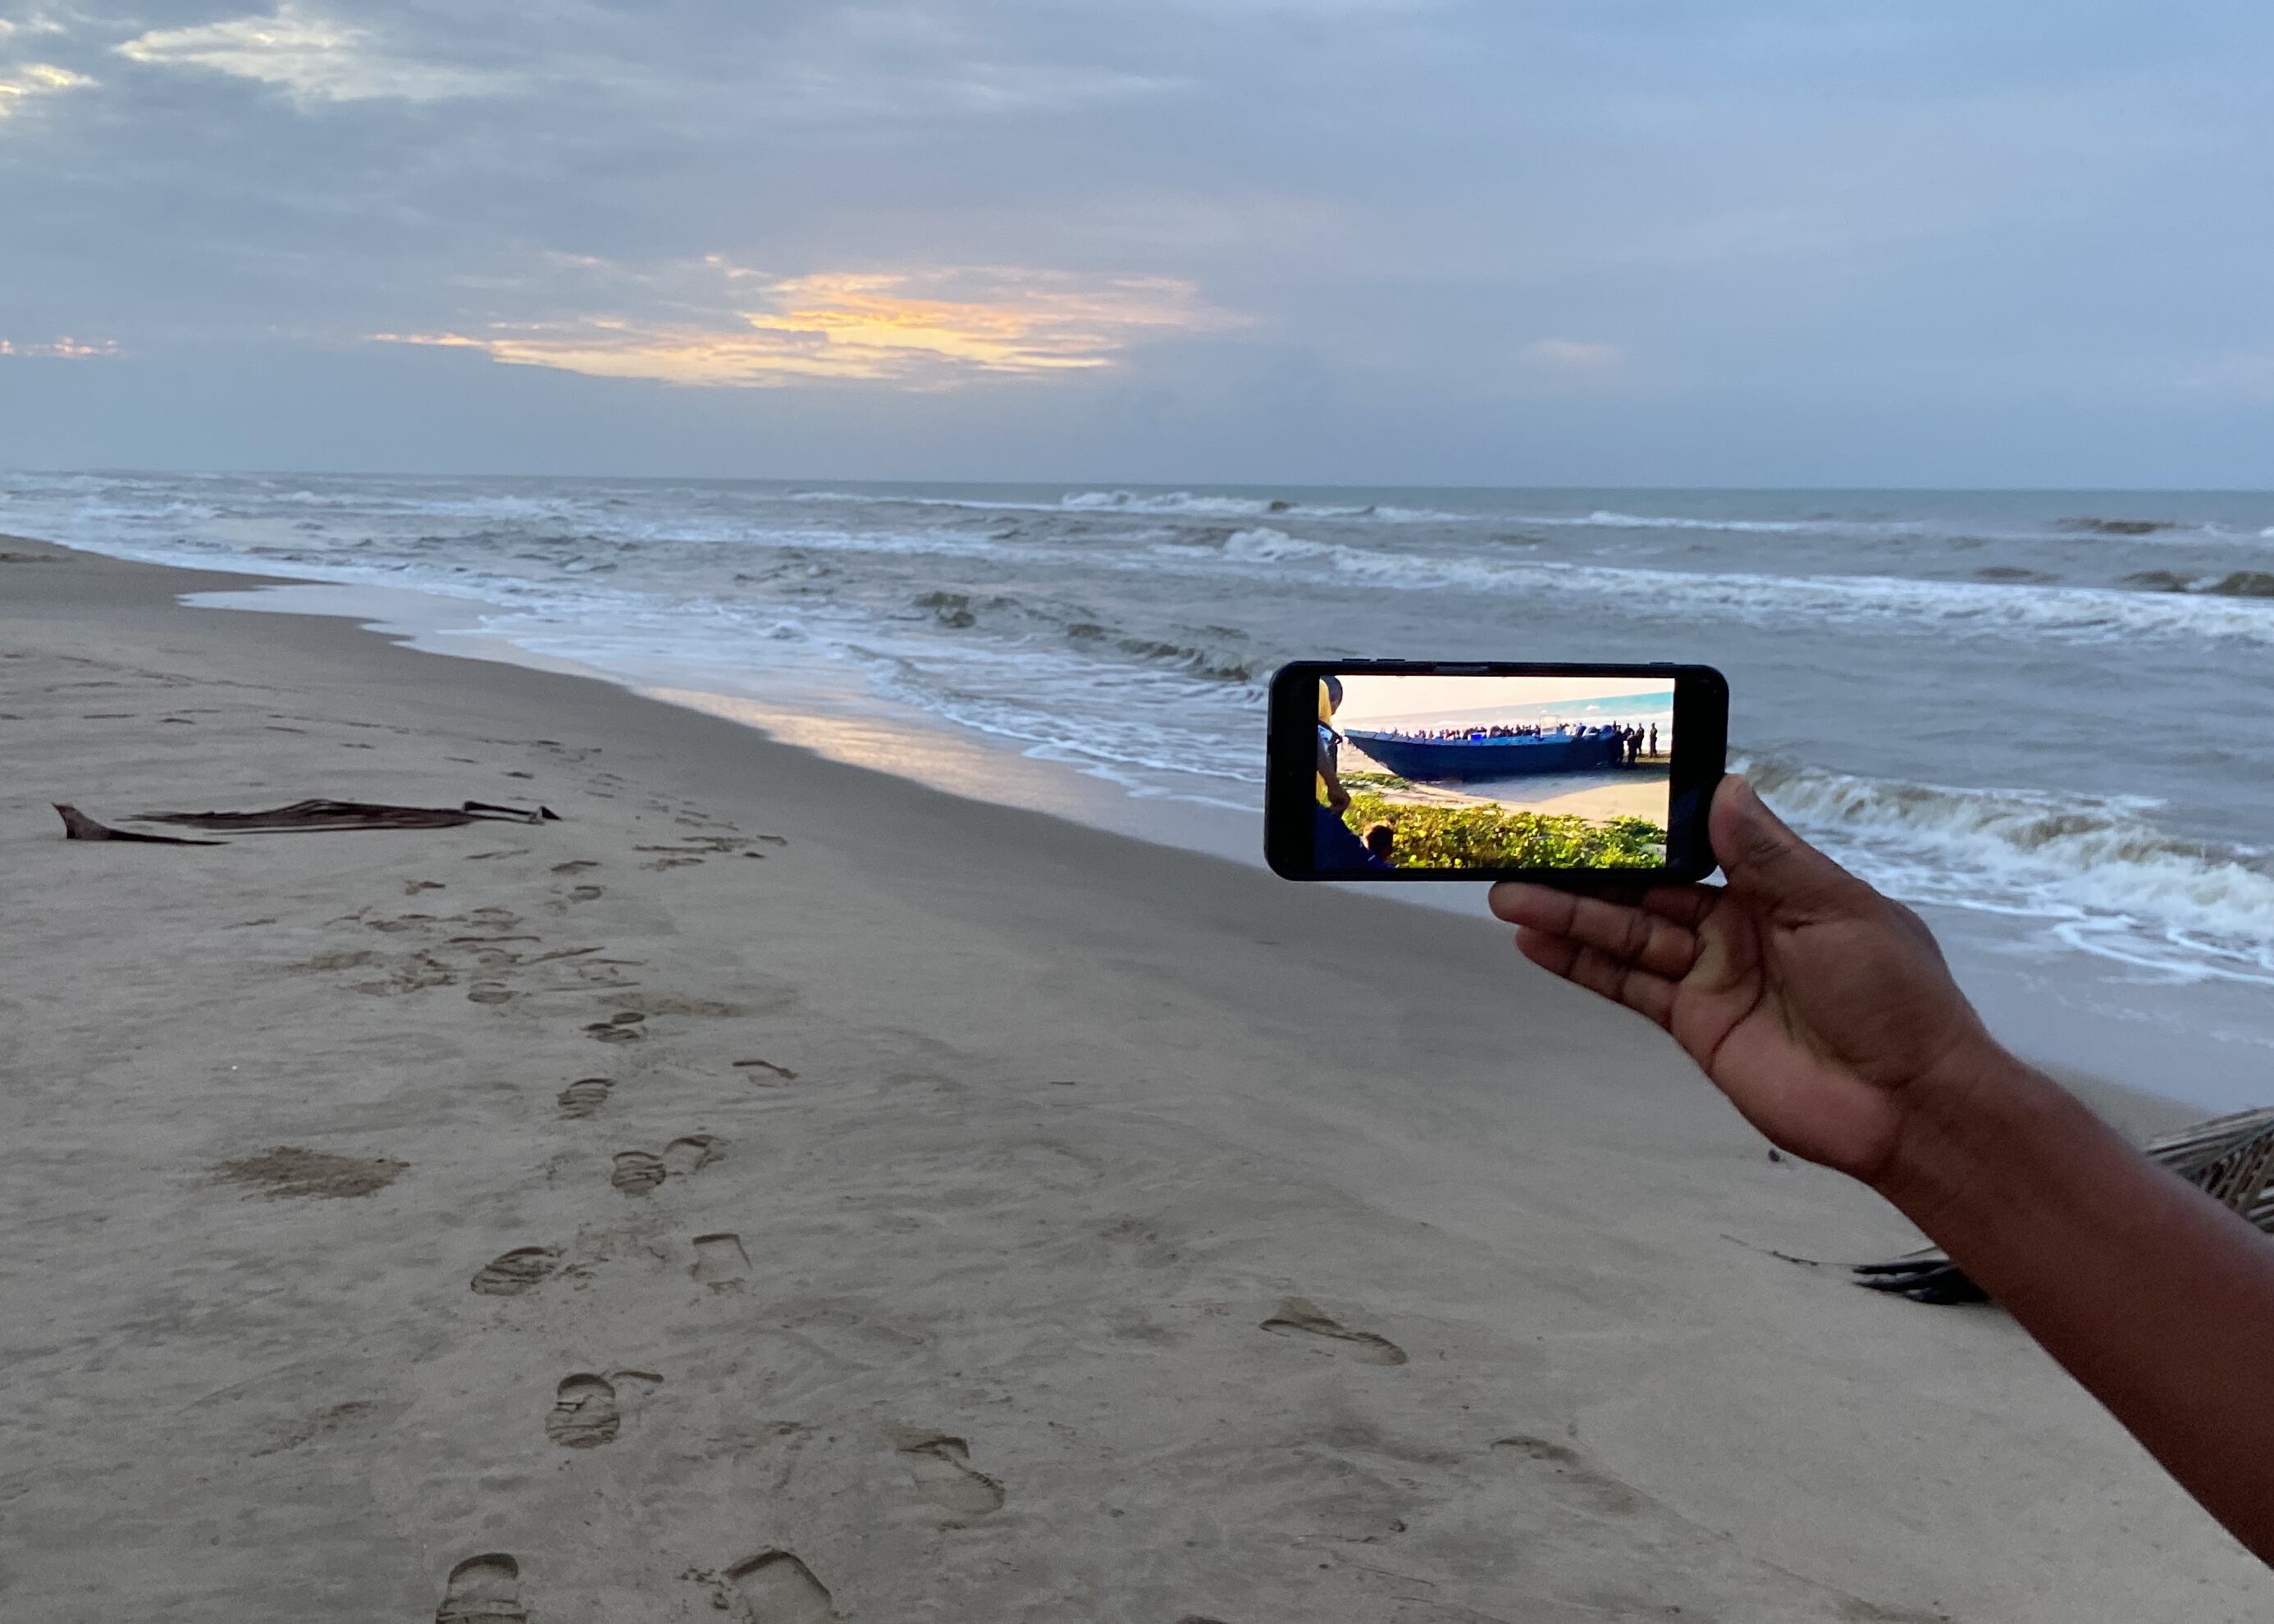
<point>304,816</point>
<point>289,1171</point>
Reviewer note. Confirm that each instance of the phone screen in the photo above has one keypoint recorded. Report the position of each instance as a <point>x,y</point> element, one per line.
<point>1419,772</point>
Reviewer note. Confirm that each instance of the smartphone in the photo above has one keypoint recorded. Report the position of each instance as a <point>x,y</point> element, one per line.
<point>1418,770</point>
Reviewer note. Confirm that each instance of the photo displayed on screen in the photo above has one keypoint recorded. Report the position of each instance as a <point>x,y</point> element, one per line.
<point>1447,773</point>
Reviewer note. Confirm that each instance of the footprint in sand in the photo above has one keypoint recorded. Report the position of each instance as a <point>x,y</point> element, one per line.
<point>1572,1477</point>
<point>775,1588</point>
<point>586,893</point>
<point>490,992</point>
<point>619,1028</point>
<point>584,1414</point>
<point>578,867</point>
<point>516,1271</point>
<point>586,1096</point>
<point>408,922</point>
<point>667,1003</point>
<point>355,960</point>
<point>637,1172</point>
<point>720,1263</point>
<point>840,1330</point>
<point>1142,1242</point>
<point>1299,1316</point>
<point>483,1590</point>
<point>354,1413</point>
<point>781,1073</point>
<point>942,1469</point>
<point>690,1154</point>
<point>415,973</point>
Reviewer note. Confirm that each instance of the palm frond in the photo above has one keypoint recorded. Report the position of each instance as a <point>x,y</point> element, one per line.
<point>2230,1159</point>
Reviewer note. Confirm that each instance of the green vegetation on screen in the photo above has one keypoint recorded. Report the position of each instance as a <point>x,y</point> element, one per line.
<point>1453,836</point>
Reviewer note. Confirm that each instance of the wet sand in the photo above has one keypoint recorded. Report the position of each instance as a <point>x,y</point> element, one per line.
<point>776,1189</point>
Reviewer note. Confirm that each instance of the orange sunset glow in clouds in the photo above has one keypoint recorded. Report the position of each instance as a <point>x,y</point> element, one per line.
<point>929,329</point>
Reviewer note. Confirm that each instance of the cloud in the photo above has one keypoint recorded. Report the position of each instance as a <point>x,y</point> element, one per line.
<point>911,62</point>
<point>932,328</point>
<point>850,79</point>
<point>1440,215</point>
<point>36,78</point>
<point>1572,355</point>
<point>310,57</point>
<point>63,349</point>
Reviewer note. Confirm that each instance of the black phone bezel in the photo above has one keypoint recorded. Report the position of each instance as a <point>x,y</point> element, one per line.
<point>1701,734</point>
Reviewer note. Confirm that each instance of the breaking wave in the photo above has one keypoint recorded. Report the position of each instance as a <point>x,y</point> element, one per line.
<point>1125,632</point>
<point>1157,504</point>
<point>2071,613</point>
<point>1603,519</point>
<point>2098,869</point>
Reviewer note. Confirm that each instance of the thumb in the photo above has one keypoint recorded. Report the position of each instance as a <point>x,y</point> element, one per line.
<point>1766,861</point>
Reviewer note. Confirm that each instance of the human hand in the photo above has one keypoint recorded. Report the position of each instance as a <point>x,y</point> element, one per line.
<point>1815,1003</point>
<point>1339,799</point>
<point>1825,1013</point>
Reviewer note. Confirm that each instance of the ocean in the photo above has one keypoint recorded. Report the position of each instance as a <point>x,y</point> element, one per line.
<point>2045,718</point>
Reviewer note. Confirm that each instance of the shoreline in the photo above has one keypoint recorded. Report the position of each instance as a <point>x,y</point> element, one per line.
<point>2077,1014</point>
<point>1025,1134</point>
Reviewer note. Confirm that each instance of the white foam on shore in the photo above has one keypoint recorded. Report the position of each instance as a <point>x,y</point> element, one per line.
<point>2097,871</point>
<point>1102,643</point>
<point>2182,931</point>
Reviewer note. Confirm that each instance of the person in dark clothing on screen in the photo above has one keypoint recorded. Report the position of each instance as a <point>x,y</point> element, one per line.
<point>1333,845</point>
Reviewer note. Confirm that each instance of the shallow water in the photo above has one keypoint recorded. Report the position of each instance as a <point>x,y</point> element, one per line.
<point>2045,715</point>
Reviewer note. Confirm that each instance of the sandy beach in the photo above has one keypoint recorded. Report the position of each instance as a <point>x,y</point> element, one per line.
<point>777,1190</point>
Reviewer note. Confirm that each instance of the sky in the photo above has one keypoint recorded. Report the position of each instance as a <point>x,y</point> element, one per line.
<point>1380,242</point>
<point>1445,699</point>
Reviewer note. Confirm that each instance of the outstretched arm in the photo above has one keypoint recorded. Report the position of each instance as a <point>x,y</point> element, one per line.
<point>1338,797</point>
<point>1824,1012</point>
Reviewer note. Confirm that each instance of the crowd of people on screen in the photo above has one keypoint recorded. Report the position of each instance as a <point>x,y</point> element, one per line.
<point>1634,741</point>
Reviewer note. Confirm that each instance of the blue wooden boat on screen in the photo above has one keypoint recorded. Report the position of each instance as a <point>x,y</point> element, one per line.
<point>1482,755</point>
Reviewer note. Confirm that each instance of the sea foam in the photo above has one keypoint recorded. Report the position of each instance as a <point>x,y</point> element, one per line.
<point>2100,867</point>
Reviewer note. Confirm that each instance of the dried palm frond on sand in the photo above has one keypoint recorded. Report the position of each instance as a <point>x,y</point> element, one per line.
<point>2230,1159</point>
<point>304,815</point>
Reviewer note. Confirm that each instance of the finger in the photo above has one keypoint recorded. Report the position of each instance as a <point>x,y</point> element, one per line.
<point>1648,995</point>
<point>1629,934</point>
<point>1769,863</point>
<point>1522,903</point>
<point>1685,904</point>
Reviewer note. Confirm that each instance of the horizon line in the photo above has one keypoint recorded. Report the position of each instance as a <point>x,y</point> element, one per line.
<point>1240,486</point>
